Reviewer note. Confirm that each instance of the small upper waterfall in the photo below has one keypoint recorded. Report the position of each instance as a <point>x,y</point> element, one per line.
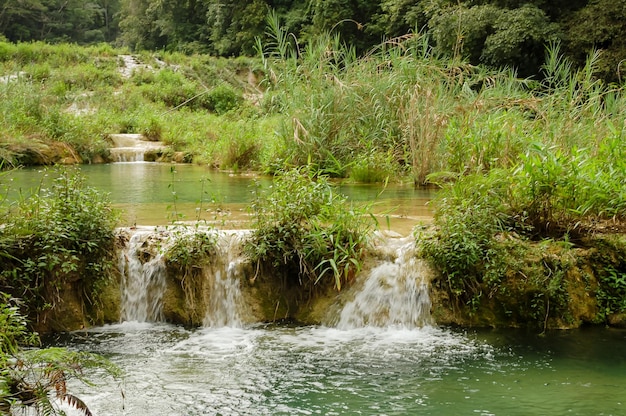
<point>393,293</point>
<point>143,279</point>
<point>134,148</point>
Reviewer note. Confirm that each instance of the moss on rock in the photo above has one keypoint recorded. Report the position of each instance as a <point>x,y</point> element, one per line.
<point>546,284</point>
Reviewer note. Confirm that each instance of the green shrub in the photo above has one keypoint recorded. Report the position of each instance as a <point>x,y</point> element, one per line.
<point>303,228</point>
<point>470,213</point>
<point>191,248</point>
<point>223,99</point>
<point>62,233</point>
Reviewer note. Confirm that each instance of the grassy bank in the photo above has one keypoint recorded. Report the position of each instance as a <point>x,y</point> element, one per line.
<point>400,111</point>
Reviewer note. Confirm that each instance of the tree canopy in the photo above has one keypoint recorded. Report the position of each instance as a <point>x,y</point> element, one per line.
<point>499,33</point>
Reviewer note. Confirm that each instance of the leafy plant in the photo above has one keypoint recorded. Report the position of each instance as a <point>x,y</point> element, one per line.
<point>610,269</point>
<point>471,213</point>
<point>190,248</point>
<point>28,376</point>
<point>303,227</point>
<point>223,98</point>
<point>63,232</point>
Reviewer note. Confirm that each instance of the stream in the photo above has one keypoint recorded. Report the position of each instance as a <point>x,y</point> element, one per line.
<point>291,370</point>
<point>379,355</point>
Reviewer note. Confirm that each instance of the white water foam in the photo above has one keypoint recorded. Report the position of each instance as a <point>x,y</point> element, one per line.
<point>143,280</point>
<point>393,293</point>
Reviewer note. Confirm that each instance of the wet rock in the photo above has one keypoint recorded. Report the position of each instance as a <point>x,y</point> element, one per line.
<point>618,320</point>
<point>36,153</point>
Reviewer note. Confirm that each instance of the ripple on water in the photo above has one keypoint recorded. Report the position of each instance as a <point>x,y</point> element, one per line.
<point>269,370</point>
<point>274,370</point>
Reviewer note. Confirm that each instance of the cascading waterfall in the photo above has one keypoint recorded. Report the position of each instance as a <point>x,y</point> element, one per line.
<point>143,279</point>
<point>393,293</point>
<point>122,154</point>
<point>225,301</point>
<point>132,147</point>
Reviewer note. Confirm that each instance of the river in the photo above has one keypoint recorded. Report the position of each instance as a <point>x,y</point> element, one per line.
<point>228,367</point>
<point>158,193</point>
<point>292,370</point>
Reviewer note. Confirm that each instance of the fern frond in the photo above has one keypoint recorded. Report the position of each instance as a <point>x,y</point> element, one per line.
<point>77,403</point>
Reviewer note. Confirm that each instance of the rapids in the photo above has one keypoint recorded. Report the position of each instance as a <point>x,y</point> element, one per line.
<point>287,370</point>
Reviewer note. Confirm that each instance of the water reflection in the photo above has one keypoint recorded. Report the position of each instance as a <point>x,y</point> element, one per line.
<point>155,194</point>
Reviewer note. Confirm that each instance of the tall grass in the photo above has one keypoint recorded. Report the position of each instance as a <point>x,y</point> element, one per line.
<point>399,111</point>
<point>433,115</point>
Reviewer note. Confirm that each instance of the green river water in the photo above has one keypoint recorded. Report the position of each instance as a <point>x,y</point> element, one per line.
<point>285,370</point>
<point>318,370</point>
<point>156,194</point>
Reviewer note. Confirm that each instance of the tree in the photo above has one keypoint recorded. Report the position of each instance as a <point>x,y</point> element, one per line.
<point>600,25</point>
<point>398,17</point>
<point>519,40</point>
<point>350,18</point>
<point>137,25</point>
<point>494,36</point>
<point>58,20</point>
<point>234,25</point>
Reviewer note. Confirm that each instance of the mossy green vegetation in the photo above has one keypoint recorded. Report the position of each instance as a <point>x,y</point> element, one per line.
<point>307,232</point>
<point>538,244</point>
<point>59,238</point>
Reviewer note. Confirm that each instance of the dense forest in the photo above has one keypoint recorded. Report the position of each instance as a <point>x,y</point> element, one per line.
<point>498,33</point>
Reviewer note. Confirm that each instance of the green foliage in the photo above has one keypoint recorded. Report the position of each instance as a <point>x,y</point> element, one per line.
<point>190,249</point>
<point>173,89</point>
<point>304,228</point>
<point>372,169</point>
<point>14,331</point>
<point>550,193</point>
<point>470,214</point>
<point>610,267</point>
<point>62,233</point>
<point>598,26</point>
<point>558,193</point>
<point>223,99</point>
<point>495,36</point>
<point>612,291</point>
<point>28,376</point>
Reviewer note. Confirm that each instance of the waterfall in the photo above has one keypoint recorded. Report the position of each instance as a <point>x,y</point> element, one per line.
<point>127,154</point>
<point>393,293</point>
<point>224,303</point>
<point>143,279</point>
<point>133,148</point>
